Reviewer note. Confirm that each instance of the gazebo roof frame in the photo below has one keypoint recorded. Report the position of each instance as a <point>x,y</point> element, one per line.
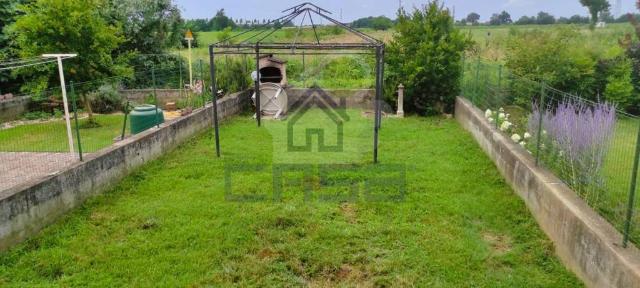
<point>369,45</point>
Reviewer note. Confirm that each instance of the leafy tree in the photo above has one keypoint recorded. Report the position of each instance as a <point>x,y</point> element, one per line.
<point>8,13</point>
<point>70,26</point>
<point>545,18</point>
<point>377,23</point>
<point>198,25</point>
<point>499,19</point>
<point>526,20</point>
<point>550,56</point>
<point>595,7</point>
<point>149,26</point>
<point>220,21</point>
<point>577,19</point>
<point>426,56</point>
<point>473,18</point>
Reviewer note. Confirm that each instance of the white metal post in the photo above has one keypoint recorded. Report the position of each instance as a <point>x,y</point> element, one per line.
<point>63,87</point>
<point>189,37</point>
<point>190,66</point>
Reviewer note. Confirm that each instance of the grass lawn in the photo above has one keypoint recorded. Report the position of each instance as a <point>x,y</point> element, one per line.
<point>168,223</point>
<point>52,136</point>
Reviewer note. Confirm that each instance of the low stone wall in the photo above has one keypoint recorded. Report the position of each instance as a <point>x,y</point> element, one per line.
<point>26,209</point>
<point>354,98</point>
<point>586,243</point>
<point>12,109</point>
<point>164,95</point>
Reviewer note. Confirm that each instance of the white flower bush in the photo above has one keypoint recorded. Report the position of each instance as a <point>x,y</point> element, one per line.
<point>505,126</point>
<point>488,113</point>
<point>516,138</point>
<point>527,136</point>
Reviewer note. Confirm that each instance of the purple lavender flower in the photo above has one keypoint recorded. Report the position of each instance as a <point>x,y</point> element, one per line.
<point>576,137</point>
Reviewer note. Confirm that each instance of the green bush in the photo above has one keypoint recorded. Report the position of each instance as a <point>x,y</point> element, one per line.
<point>619,89</point>
<point>555,57</point>
<point>106,99</point>
<point>233,74</point>
<point>426,56</point>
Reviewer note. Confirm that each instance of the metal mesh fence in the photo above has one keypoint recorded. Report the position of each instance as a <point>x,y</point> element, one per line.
<point>99,117</point>
<point>591,146</point>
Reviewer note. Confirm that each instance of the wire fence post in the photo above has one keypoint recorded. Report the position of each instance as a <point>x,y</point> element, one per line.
<point>155,95</point>
<point>75,115</point>
<point>124,125</point>
<point>499,93</point>
<point>632,193</point>
<point>181,85</point>
<point>204,98</point>
<point>540,112</point>
<point>476,85</point>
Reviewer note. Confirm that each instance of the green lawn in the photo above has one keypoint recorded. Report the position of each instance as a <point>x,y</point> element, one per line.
<point>52,136</point>
<point>168,223</point>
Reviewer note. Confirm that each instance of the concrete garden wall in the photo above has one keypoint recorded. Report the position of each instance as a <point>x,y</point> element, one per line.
<point>164,95</point>
<point>354,98</point>
<point>586,243</point>
<point>12,109</point>
<point>26,209</point>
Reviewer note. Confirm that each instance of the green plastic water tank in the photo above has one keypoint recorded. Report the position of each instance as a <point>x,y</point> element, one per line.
<point>144,117</point>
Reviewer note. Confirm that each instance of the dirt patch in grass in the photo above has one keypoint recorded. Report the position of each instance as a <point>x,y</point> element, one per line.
<point>500,244</point>
<point>350,212</point>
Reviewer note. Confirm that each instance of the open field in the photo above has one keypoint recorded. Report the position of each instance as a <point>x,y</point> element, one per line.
<point>168,224</point>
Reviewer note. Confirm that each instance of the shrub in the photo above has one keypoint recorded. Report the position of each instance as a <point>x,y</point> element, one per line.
<point>231,74</point>
<point>552,56</point>
<point>426,56</point>
<point>106,99</point>
<point>619,89</point>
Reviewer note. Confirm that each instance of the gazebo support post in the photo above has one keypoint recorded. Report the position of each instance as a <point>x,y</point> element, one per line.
<point>257,85</point>
<point>214,99</point>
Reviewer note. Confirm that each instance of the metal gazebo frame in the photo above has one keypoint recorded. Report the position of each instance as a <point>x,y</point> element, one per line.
<point>370,46</point>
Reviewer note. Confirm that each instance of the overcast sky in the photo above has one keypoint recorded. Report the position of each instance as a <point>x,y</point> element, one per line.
<point>353,9</point>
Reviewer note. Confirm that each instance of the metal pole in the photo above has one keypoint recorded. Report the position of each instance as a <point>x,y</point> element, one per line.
<point>190,66</point>
<point>180,82</point>
<point>214,99</point>
<point>204,87</point>
<point>540,115</point>
<point>257,84</point>
<point>155,95</point>
<point>476,84</point>
<point>632,193</point>
<point>124,125</point>
<point>381,76</point>
<point>499,93</point>
<point>379,59</point>
<point>304,80</point>
<point>75,115</point>
<point>65,103</point>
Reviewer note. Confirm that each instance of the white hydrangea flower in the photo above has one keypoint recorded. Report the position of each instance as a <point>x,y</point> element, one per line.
<point>502,116</point>
<point>488,113</point>
<point>516,138</point>
<point>501,109</point>
<point>544,132</point>
<point>505,126</point>
<point>527,135</point>
<point>523,144</point>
